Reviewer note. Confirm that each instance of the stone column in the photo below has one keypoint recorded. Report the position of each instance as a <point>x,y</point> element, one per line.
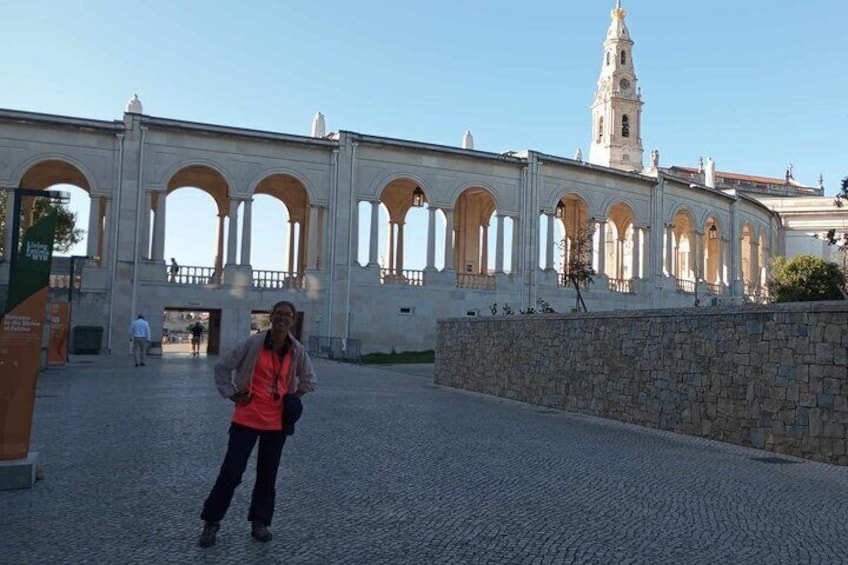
<point>93,235</point>
<point>499,253</point>
<point>105,242</point>
<point>7,235</point>
<point>399,262</point>
<point>448,240</point>
<point>698,255</point>
<point>291,247</point>
<point>549,248</point>
<point>669,250</point>
<point>755,262</point>
<point>144,232</point>
<point>245,231</point>
<point>391,264</point>
<point>431,239</point>
<point>159,228</point>
<point>312,259</point>
<point>636,268</point>
<point>484,250</point>
<point>619,259</point>
<point>219,255</point>
<point>602,246</point>
<point>722,259</point>
<point>516,243</point>
<point>232,231</point>
<point>374,242</point>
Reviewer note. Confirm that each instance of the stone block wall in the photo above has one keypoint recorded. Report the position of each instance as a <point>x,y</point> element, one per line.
<point>772,377</point>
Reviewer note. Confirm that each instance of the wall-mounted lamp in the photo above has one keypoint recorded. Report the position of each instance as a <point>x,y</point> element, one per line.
<point>560,210</point>
<point>713,232</point>
<point>418,197</point>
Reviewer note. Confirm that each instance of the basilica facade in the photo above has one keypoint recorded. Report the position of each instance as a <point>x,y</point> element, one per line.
<point>501,228</point>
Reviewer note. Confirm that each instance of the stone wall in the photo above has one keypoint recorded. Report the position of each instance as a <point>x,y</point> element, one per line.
<point>772,377</point>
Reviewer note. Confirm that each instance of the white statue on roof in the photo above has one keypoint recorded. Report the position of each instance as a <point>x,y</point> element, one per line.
<point>319,126</point>
<point>709,176</point>
<point>468,140</point>
<point>134,105</point>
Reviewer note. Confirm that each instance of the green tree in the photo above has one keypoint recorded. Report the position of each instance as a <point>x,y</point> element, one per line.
<point>833,236</point>
<point>579,269</point>
<point>67,234</point>
<point>804,278</point>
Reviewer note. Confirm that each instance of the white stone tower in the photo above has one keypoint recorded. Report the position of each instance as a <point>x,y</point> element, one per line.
<point>617,109</point>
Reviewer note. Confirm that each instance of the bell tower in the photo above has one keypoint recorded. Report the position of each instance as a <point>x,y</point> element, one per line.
<point>617,109</point>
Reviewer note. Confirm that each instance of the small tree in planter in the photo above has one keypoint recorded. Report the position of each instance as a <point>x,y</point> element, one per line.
<point>578,268</point>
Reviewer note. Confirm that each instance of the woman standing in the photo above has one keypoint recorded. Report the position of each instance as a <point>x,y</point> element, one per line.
<point>265,376</point>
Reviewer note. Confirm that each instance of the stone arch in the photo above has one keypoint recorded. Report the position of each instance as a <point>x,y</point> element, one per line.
<point>71,171</point>
<point>204,176</point>
<point>684,248</point>
<point>560,194</point>
<point>294,194</point>
<point>378,186</point>
<point>490,190</point>
<point>209,178</point>
<point>618,240</point>
<point>713,262</point>
<point>747,235</point>
<point>396,196</point>
<point>473,208</point>
<point>43,171</point>
<point>573,221</point>
<point>305,184</point>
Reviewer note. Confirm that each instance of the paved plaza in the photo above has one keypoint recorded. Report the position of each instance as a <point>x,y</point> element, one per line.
<point>388,468</point>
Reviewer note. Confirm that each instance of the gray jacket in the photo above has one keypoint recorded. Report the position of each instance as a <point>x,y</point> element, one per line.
<point>234,370</point>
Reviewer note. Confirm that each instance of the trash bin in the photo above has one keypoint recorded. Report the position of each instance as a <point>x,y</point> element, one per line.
<point>87,340</point>
<point>155,348</point>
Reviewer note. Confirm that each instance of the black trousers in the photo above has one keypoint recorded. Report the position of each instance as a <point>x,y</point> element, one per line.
<point>242,440</point>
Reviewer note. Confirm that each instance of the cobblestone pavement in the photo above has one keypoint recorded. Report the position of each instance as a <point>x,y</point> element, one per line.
<point>386,467</point>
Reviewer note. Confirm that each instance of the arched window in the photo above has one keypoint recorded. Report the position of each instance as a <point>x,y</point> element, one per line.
<point>600,128</point>
<point>625,126</point>
<point>623,57</point>
<point>608,58</point>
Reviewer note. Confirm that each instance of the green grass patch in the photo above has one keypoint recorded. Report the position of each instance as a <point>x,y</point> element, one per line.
<point>428,356</point>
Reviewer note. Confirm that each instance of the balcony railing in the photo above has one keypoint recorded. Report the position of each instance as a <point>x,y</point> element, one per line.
<point>622,285</point>
<point>188,274</point>
<point>470,280</point>
<point>404,277</point>
<point>686,286</point>
<point>564,281</point>
<point>63,281</point>
<point>277,280</point>
<point>714,288</point>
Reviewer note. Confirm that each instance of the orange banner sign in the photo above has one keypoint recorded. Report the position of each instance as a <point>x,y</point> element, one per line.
<point>57,346</point>
<point>21,333</point>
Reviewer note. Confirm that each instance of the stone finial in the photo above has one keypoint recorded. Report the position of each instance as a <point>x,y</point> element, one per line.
<point>578,155</point>
<point>134,105</point>
<point>709,177</point>
<point>319,126</point>
<point>821,181</point>
<point>700,164</point>
<point>468,140</point>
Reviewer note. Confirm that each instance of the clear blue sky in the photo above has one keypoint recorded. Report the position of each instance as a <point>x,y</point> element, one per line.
<point>756,85</point>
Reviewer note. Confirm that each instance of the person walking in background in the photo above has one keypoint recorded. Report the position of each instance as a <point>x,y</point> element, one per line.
<point>196,330</point>
<point>265,375</point>
<point>174,270</point>
<point>140,337</point>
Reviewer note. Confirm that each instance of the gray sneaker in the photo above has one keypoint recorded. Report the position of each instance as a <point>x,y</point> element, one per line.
<point>259,531</point>
<point>207,536</point>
